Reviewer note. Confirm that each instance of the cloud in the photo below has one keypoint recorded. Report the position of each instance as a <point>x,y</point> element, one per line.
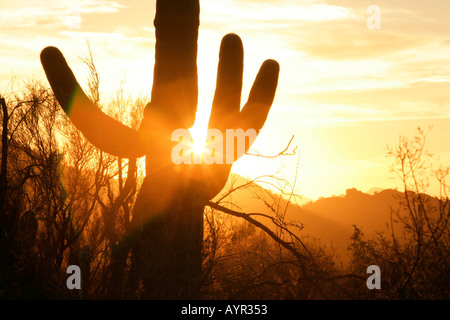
<point>25,29</point>
<point>52,13</point>
<point>252,11</point>
<point>418,100</point>
<point>351,40</point>
<point>404,25</point>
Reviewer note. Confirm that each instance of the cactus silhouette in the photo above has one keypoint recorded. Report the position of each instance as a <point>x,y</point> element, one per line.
<point>169,208</point>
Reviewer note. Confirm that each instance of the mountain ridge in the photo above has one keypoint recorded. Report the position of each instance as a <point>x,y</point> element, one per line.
<point>329,220</point>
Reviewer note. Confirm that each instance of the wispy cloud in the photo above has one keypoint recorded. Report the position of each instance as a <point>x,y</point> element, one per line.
<point>53,13</point>
<point>286,11</point>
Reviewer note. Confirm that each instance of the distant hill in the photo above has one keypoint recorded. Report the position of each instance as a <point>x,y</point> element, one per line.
<point>371,212</point>
<point>329,220</point>
<point>375,190</point>
<point>251,199</point>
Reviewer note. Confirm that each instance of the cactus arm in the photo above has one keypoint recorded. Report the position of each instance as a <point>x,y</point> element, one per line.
<point>227,97</point>
<point>225,112</point>
<point>101,130</point>
<point>255,111</point>
<point>175,81</point>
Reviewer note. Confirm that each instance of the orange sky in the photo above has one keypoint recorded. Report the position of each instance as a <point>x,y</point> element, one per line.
<point>345,91</point>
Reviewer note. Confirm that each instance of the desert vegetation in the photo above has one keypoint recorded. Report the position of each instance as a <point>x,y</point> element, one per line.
<point>65,202</point>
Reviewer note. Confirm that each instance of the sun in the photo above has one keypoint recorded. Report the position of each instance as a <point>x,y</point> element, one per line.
<point>198,147</point>
<point>200,128</point>
<point>198,139</point>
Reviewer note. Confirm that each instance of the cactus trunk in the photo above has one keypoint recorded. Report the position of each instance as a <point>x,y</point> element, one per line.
<point>169,246</point>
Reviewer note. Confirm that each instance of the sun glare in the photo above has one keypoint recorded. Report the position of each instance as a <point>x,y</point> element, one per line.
<point>198,146</point>
<point>198,139</point>
<point>199,129</point>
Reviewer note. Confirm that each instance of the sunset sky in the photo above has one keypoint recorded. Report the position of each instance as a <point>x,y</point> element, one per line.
<point>345,91</point>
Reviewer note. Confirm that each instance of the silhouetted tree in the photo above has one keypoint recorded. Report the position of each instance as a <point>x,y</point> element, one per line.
<point>263,255</point>
<point>30,193</point>
<point>414,255</point>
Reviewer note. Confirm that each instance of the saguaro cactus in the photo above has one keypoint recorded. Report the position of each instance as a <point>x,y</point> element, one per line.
<point>170,205</point>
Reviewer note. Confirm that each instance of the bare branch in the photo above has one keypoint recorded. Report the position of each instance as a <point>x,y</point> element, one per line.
<point>258,224</point>
<point>281,153</point>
